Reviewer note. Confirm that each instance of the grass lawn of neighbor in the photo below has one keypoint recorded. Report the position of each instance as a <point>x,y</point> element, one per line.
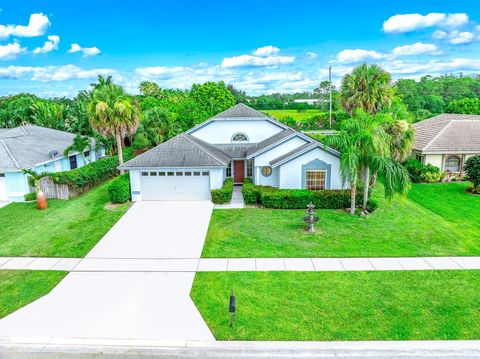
<point>65,229</point>
<point>434,220</point>
<point>20,287</point>
<point>396,305</point>
<point>296,115</point>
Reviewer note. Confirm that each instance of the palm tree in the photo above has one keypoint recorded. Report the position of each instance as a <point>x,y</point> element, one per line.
<point>34,181</point>
<point>80,144</point>
<point>368,88</point>
<point>102,81</point>
<point>112,113</point>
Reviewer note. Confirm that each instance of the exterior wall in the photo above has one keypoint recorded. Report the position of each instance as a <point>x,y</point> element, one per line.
<point>285,147</point>
<point>436,160</point>
<point>271,180</point>
<point>222,131</point>
<point>17,186</point>
<point>217,177</point>
<point>292,173</point>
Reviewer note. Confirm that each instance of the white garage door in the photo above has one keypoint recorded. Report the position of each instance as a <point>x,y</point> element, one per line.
<point>3,187</point>
<point>173,186</point>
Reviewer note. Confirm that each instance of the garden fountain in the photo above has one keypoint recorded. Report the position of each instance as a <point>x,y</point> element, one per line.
<point>310,219</point>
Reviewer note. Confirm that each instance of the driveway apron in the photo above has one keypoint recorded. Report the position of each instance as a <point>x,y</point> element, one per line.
<point>110,304</point>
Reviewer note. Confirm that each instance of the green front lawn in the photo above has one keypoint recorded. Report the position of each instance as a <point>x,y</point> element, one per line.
<point>65,229</point>
<point>433,221</point>
<point>408,305</point>
<point>20,287</point>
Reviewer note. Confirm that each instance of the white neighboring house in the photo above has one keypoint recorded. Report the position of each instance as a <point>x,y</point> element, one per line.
<point>447,141</point>
<point>239,142</point>
<point>37,148</point>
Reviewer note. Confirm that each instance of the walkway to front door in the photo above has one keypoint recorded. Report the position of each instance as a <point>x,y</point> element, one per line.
<point>238,171</point>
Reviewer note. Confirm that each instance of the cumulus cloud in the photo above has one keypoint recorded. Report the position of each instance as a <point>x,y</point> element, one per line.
<point>261,57</point>
<point>439,35</point>
<point>417,48</point>
<point>310,55</point>
<point>266,51</point>
<point>433,67</point>
<point>52,73</point>
<point>37,26</point>
<point>50,45</point>
<point>86,51</point>
<point>358,55</point>
<point>11,51</point>
<point>401,23</point>
<point>457,37</point>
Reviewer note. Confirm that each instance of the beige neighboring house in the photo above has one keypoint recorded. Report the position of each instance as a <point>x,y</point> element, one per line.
<point>447,141</point>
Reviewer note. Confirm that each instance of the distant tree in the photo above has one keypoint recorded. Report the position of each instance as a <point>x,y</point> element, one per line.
<point>113,113</point>
<point>148,88</point>
<point>47,113</point>
<point>102,81</point>
<point>156,127</point>
<point>434,104</point>
<point>468,106</point>
<point>239,95</point>
<point>212,97</point>
<point>368,88</point>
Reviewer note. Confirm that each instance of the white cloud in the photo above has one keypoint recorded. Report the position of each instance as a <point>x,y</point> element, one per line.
<point>409,22</point>
<point>310,55</point>
<point>266,51</point>
<point>358,55</point>
<point>433,67</point>
<point>457,38</point>
<point>50,45</point>
<point>11,51</point>
<point>52,73</point>
<point>255,61</point>
<point>417,48</point>
<point>37,26</point>
<point>439,35</point>
<point>87,51</point>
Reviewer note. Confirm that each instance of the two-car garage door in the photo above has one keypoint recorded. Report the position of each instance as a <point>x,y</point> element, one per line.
<point>175,185</point>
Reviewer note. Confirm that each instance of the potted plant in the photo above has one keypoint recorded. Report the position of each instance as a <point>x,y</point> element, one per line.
<point>34,181</point>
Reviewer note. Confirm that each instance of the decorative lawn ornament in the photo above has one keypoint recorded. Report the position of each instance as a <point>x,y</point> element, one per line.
<point>310,219</point>
<point>232,308</point>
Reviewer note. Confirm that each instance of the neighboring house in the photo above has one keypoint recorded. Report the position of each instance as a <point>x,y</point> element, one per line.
<point>239,142</point>
<point>37,148</point>
<point>447,141</point>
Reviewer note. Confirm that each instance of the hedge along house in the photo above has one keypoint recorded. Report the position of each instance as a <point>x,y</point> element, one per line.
<point>37,148</point>
<point>447,141</point>
<point>239,142</point>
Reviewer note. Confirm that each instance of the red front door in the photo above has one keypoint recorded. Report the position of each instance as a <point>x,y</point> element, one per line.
<point>238,171</point>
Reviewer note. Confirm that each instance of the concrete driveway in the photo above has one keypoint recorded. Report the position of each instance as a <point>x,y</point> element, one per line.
<point>133,305</point>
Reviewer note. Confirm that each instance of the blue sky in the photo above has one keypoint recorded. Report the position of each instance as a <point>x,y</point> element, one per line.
<point>54,48</point>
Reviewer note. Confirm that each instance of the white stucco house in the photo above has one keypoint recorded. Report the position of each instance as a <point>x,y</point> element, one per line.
<point>447,141</point>
<point>38,148</point>
<point>239,142</point>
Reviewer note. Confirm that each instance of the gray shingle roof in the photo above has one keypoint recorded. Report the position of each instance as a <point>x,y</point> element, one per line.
<point>27,146</point>
<point>235,150</point>
<point>240,111</point>
<point>448,133</point>
<point>270,141</point>
<point>181,151</point>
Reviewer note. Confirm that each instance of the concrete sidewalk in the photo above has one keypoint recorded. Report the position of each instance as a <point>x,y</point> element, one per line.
<point>237,200</point>
<point>238,264</point>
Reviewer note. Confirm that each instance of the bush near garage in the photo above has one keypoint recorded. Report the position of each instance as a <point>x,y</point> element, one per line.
<point>119,189</point>
<point>224,194</point>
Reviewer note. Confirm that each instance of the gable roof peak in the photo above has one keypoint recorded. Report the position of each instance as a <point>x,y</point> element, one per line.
<point>240,110</point>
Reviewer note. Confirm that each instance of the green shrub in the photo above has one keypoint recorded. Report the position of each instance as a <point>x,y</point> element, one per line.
<point>422,173</point>
<point>252,194</point>
<point>119,189</point>
<point>31,196</point>
<point>372,205</point>
<point>224,194</point>
<point>472,168</point>
<point>92,174</point>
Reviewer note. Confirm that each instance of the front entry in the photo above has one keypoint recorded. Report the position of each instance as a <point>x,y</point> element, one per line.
<point>238,171</point>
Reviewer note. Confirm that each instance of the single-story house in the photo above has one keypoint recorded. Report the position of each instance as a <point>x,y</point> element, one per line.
<point>239,142</point>
<point>447,140</point>
<point>37,148</point>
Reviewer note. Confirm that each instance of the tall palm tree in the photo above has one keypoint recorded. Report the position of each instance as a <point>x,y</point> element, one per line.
<point>80,144</point>
<point>368,88</point>
<point>112,113</point>
<point>102,81</point>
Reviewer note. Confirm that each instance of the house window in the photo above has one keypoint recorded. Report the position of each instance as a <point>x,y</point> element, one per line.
<point>87,153</point>
<point>161,174</point>
<point>188,173</point>
<point>153,173</point>
<point>452,164</point>
<point>196,173</point>
<point>229,170</point>
<point>73,162</point>
<point>239,137</point>
<point>249,168</point>
<point>2,174</point>
<point>204,173</point>
<point>266,171</point>
<point>145,174</point>
<point>179,174</point>
<point>316,180</point>
<point>419,157</point>
<point>170,173</point>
